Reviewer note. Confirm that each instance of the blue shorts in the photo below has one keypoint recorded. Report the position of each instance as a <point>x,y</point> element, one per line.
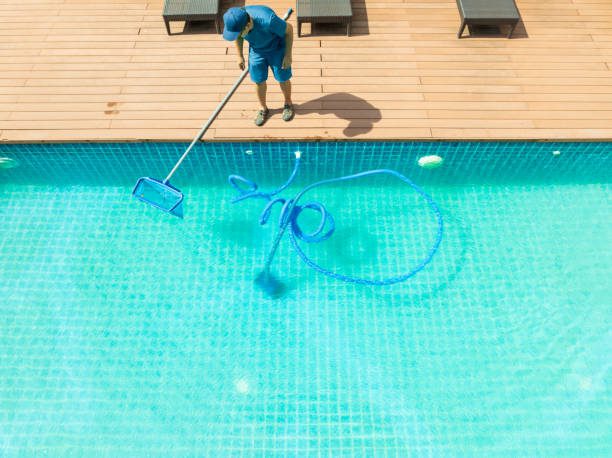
<point>258,67</point>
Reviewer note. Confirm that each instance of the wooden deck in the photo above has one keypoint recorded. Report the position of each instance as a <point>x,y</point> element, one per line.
<point>106,70</point>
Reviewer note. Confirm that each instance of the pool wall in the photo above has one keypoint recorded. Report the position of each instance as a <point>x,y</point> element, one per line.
<point>464,162</point>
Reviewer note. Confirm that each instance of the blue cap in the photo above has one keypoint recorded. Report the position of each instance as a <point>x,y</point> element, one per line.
<point>235,19</point>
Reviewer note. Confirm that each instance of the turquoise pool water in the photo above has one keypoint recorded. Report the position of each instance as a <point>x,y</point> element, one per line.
<point>127,332</point>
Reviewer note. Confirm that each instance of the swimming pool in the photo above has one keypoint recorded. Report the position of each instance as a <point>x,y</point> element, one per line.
<point>128,332</point>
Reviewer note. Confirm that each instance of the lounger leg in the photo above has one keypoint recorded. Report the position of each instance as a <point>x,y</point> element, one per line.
<point>512,27</point>
<point>348,29</point>
<point>461,28</point>
<point>217,25</point>
<point>167,26</point>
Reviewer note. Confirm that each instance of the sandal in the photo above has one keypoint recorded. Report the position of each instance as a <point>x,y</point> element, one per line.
<point>262,116</point>
<point>288,112</point>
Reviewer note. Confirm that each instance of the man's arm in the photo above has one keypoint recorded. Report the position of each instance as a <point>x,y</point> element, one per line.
<point>239,44</point>
<point>288,46</point>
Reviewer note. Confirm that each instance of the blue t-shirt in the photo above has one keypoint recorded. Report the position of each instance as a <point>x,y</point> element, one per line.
<point>268,33</point>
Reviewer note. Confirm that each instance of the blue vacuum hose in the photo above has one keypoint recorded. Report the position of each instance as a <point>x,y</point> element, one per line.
<point>290,212</point>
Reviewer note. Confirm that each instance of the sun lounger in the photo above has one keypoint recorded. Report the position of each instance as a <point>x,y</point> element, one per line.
<point>324,11</point>
<point>488,12</point>
<point>191,10</point>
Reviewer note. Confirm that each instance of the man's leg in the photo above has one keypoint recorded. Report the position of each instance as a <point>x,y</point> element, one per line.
<point>262,114</point>
<point>258,69</point>
<point>261,94</point>
<point>283,76</point>
<point>288,108</point>
<point>286,88</point>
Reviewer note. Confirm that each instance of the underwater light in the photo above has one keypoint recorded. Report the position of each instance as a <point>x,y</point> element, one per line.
<point>8,163</point>
<point>242,386</point>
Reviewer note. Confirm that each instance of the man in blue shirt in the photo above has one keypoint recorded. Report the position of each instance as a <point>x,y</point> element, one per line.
<point>270,39</point>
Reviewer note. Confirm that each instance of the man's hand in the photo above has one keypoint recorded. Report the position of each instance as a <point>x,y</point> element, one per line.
<point>286,62</point>
<point>241,63</point>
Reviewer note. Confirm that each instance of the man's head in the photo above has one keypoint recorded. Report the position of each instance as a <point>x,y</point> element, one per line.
<point>236,21</point>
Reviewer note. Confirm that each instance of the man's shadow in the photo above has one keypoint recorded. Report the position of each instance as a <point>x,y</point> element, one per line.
<point>361,114</point>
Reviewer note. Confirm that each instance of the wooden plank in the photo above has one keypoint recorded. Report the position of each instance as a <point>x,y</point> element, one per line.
<point>81,59</point>
<point>542,65</point>
<point>72,134</point>
<point>523,81</point>
<point>90,115</point>
<point>8,98</point>
<point>12,82</point>
<point>273,132</point>
<point>308,116</point>
<point>523,134</point>
<point>55,124</point>
<point>423,58</point>
<point>572,109</point>
<point>245,120</point>
<point>247,95</point>
<point>535,115</point>
<point>44,76</point>
<point>424,88</point>
<point>132,69</point>
<point>575,124</point>
<point>42,90</point>
<point>136,82</point>
<point>9,67</point>
<point>203,59</point>
<point>554,96</point>
<point>561,89</point>
<point>228,75</point>
<point>193,89</point>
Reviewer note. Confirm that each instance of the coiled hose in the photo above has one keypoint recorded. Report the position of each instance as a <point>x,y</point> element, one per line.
<point>291,209</point>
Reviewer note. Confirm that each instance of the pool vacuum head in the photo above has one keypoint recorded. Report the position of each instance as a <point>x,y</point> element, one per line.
<point>270,285</point>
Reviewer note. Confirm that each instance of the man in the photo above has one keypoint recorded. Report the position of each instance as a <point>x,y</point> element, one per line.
<point>270,39</point>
